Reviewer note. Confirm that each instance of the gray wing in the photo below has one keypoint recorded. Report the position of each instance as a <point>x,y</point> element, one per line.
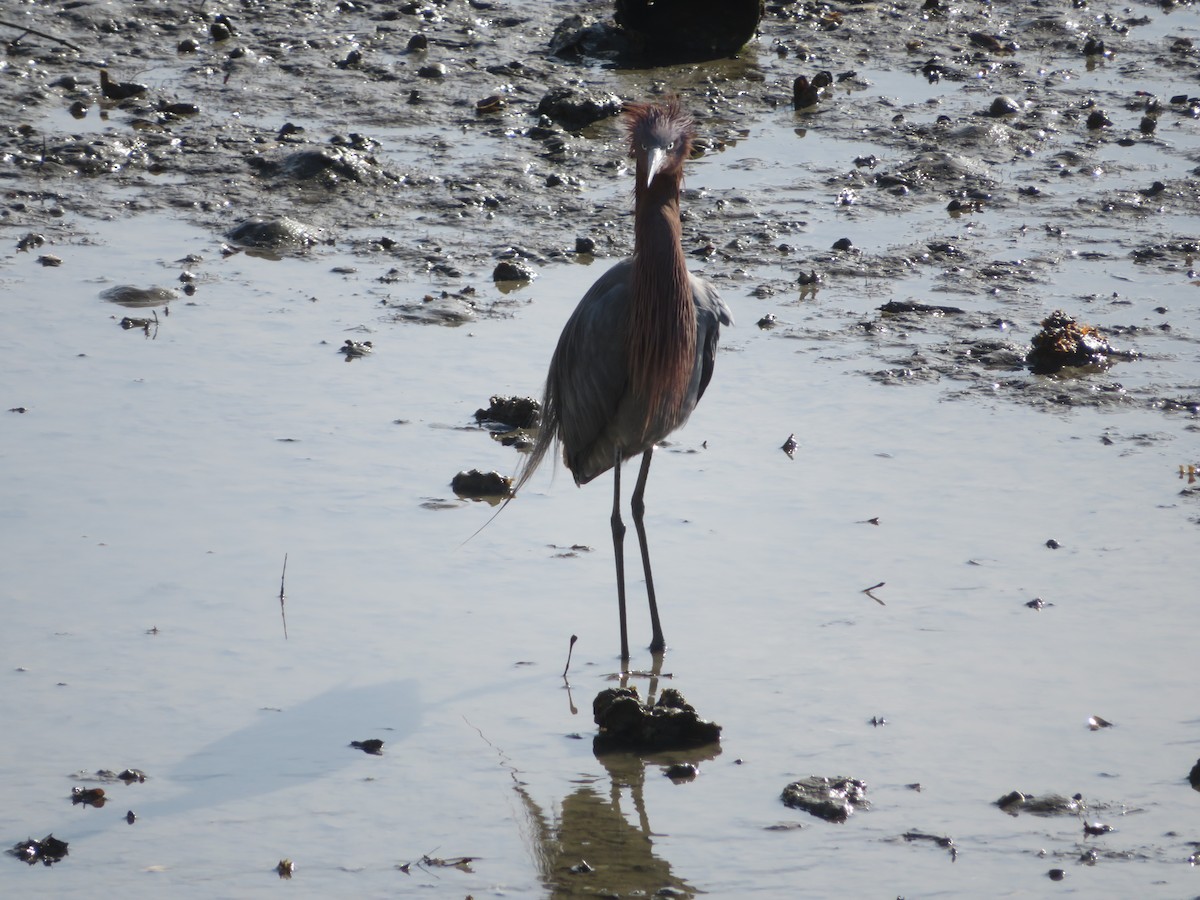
<point>588,378</point>
<point>711,314</point>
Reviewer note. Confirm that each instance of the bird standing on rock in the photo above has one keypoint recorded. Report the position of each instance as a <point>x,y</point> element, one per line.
<point>638,352</point>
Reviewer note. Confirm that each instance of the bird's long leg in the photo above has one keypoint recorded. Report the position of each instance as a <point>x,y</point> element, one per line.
<point>657,643</point>
<point>618,533</point>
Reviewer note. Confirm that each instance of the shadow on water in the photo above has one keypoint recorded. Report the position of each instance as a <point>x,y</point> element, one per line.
<point>283,749</point>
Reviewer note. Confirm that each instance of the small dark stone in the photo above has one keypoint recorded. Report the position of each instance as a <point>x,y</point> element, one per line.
<point>1004,106</point>
<point>417,43</point>
<point>432,70</point>
<point>682,772</point>
<point>476,485</point>
<point>509,270</point>
<point>585,245</point>
<point>1097,119</point>
<point>1194,776</point>
<point>843,244</point>
<point>1053,544</point>
<point>374,746</point>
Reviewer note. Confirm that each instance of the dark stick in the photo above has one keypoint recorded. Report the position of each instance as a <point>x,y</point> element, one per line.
<point>867,591</point>
<point>282,613</point>
<point>570,647</point>
<point>27,30</point>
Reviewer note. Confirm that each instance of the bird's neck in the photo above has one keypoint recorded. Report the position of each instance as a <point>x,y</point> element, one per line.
<point>661,335</point>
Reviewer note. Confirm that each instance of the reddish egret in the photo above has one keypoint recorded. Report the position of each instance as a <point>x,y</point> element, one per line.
<point>636,355</point>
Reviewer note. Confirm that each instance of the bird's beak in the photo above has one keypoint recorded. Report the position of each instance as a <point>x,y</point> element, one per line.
<point>655,158</point>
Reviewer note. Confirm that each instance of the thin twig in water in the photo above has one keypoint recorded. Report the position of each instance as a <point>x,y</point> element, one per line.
<point>282,613</point>
<point>867,591</point>
<point>27,30</point>
<point>570,647</point>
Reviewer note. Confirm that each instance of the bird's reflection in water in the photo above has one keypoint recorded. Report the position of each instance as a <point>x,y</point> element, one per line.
<point>600,843</point>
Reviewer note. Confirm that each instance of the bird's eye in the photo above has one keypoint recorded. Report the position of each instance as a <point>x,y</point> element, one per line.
<point>671,146</point>
<point>646,147</point>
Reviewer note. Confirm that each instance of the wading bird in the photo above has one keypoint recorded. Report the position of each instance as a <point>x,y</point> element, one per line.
<point>636,355</point>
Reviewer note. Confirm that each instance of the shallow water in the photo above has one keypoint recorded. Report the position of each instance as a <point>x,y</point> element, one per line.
<point>156,482</point>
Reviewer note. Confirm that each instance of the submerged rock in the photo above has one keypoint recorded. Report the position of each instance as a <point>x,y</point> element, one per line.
<point>1015,803</point>
<point>138,298</point>
<point>626,724</point>
<point>832,799</point>
<point>273,234</point>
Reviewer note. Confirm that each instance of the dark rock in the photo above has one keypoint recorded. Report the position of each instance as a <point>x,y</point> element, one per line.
<point>1064,343</point>
<point>508,270</point>
<point>678,30</point>
<point>477,485</point>
<point>627,725</point>
<point>272,234</point>
<point>47,851</point>
<point>1016,802</point>
<point>897,307</point>
<point>832,799</point>
<point>574,109</point>
<point>515,412</point>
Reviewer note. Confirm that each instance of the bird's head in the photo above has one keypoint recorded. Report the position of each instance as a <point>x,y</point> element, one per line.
<point>660,139</point>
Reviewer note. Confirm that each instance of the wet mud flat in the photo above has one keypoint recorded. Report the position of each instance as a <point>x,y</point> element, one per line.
<point>963,175</point>
<point>435,142</point>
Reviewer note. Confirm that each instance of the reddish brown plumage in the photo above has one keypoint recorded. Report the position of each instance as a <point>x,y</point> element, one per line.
<point>661,333</point>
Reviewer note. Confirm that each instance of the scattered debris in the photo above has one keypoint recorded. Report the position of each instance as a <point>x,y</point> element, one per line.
<point>1095,723</point>
<point>875,587</point>
<point>88,797</point>
<point>356,349</point>
<point>374,746</point>
<point>945,842</point>
<point>285,869</point>
<point>789,446</point>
